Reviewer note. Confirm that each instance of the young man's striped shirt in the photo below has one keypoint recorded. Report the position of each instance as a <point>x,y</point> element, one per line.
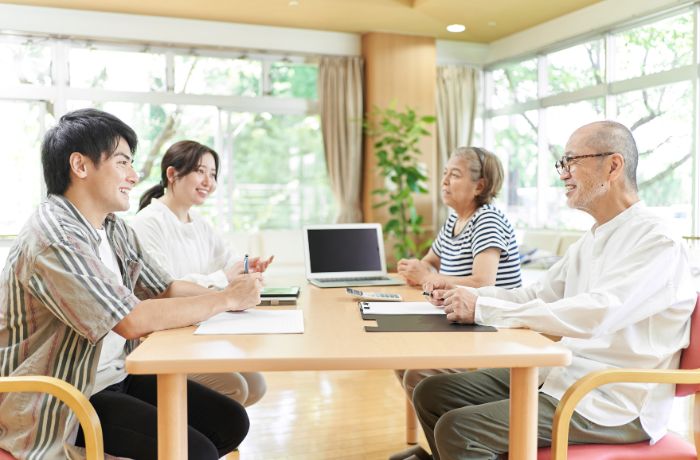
<point>57,302</point>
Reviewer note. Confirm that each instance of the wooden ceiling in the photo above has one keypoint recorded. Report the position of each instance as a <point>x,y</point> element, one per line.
<point>486,20</point>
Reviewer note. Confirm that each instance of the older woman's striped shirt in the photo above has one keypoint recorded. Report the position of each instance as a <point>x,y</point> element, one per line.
<point>487,228</point>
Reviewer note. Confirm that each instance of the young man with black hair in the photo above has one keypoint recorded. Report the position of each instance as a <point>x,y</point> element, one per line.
<point>77,272</point>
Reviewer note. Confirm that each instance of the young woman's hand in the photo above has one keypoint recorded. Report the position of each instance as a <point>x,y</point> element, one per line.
<point>256,264</point>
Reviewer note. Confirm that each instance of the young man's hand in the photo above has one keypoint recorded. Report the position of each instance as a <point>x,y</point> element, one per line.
<point>243,291</point>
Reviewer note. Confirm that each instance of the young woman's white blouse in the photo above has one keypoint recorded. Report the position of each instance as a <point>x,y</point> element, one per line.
<point>190,251</point>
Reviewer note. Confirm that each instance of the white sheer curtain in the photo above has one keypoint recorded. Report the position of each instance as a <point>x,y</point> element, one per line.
<point>457,89</point>
<point>340,102</point>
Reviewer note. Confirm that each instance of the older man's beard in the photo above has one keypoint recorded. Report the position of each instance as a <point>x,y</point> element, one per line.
<point>586,199</point>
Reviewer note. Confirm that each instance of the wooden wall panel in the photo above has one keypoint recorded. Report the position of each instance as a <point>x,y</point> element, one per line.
<point>400,68</point>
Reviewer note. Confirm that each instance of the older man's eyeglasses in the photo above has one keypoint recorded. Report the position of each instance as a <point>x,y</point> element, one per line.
<point>565,162</point>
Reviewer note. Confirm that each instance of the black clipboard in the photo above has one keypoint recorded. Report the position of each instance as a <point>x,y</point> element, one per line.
<point>419,323</point>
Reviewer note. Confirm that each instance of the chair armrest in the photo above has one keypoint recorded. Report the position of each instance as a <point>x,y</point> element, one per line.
<point>74,399</point>
<point>565,408</point>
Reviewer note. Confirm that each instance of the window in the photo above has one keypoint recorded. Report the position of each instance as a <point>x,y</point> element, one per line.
<point>662,45</point>
<point>293,80</point>
<point>514,83</point>
<point>209,75</point>
<point>258,113</point>
<point>21,127</point>
<point>515,144</point>
<point>659,120</point>
<point>24,62</point>
<point>649,88</point>
<point>117,70</point>
<point>576,67</point>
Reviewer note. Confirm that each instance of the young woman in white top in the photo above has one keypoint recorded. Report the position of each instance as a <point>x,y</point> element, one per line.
<point>189,248</point>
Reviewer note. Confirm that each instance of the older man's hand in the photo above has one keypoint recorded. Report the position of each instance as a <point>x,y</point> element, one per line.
<point>437,290</point>
<point>460,304</point>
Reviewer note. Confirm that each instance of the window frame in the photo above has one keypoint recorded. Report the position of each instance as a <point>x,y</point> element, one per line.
<point>607,91</point>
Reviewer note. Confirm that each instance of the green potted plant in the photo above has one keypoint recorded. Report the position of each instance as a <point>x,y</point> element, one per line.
<point>397,135</point>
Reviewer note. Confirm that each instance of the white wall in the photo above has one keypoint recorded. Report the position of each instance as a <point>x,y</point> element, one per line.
<point>173,31</point>
<point>169,31</point>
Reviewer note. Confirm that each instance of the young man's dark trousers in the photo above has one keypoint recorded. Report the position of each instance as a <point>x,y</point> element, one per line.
<point>128,415</point>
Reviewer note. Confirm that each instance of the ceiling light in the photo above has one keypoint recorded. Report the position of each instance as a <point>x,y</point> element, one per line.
<point>456,28</point>
<point>293,2</point>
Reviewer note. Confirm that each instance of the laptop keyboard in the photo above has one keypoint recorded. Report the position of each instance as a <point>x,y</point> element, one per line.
<point>364,278</point>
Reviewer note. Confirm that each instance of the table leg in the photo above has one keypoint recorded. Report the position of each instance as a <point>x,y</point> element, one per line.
<point>411,423</point>
<point>523,414</point>
<point>172,416</point>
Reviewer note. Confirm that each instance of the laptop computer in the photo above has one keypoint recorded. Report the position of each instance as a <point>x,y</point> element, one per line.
<point>343,255</point>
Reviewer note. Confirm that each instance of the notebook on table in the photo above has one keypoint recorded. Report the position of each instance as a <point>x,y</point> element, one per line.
<point>342,255</point>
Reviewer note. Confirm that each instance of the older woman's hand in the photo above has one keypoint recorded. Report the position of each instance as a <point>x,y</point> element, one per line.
<point>413,271</point>
<point>460,305</point>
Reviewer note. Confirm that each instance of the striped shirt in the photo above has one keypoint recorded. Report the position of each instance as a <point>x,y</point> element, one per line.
<point>487,228</point>
<point>57,302</point>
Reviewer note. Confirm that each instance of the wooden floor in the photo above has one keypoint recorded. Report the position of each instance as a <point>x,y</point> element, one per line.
<point>327,415</point>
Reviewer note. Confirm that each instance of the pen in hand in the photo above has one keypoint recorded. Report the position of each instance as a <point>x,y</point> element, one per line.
<point>245,264</point>
<point>429,294</point>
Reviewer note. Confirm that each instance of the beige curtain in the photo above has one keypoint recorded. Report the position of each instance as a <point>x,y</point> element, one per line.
<point>340,101</point>
<point>456,109</point>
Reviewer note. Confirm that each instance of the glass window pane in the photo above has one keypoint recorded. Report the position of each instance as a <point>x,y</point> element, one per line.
<point>515,139</point>
<point>663,130</point>
<point>117,70</point>
<point>655,47</point>
<point>25,62</point>
<point>21,129</point>
<point>280,177</point>
<point>222,76</point>
<point>293,80</point>
<point>514,83</point>
<point>576,67</point>
<point>561,122</point>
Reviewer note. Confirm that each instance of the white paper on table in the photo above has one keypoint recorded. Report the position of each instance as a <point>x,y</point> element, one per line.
<point>254,321</point>
<point>400,308</point>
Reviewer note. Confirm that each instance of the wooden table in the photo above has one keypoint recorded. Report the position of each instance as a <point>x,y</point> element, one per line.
<point>334,339</point>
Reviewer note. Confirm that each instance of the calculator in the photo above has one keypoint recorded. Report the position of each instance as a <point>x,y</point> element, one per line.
<point>373,296</point>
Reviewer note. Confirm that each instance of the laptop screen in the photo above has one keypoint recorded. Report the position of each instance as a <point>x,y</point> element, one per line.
<point>345,249</point>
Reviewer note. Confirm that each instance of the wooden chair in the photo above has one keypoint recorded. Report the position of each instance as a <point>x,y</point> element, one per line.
<point>670,447</point>
<point>73,398</point>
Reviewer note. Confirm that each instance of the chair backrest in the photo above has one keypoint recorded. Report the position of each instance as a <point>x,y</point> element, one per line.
<point>690,357</point>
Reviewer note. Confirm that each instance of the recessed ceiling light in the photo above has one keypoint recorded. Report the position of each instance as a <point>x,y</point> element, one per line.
<point>293,2</point>
<point>492,24</point>
<point>456,28</point>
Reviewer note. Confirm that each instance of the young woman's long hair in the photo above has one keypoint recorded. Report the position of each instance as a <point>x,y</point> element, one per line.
<point>184,156</point>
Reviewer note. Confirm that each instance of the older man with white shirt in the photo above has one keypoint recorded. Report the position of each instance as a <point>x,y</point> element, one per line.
<point>621,296</point>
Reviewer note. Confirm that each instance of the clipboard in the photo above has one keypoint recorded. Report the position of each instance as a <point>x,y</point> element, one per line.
<point>418,323</point>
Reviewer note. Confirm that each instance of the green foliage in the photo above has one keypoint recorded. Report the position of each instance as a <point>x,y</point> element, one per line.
<point>397,135</point>
<point>294,80</point>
